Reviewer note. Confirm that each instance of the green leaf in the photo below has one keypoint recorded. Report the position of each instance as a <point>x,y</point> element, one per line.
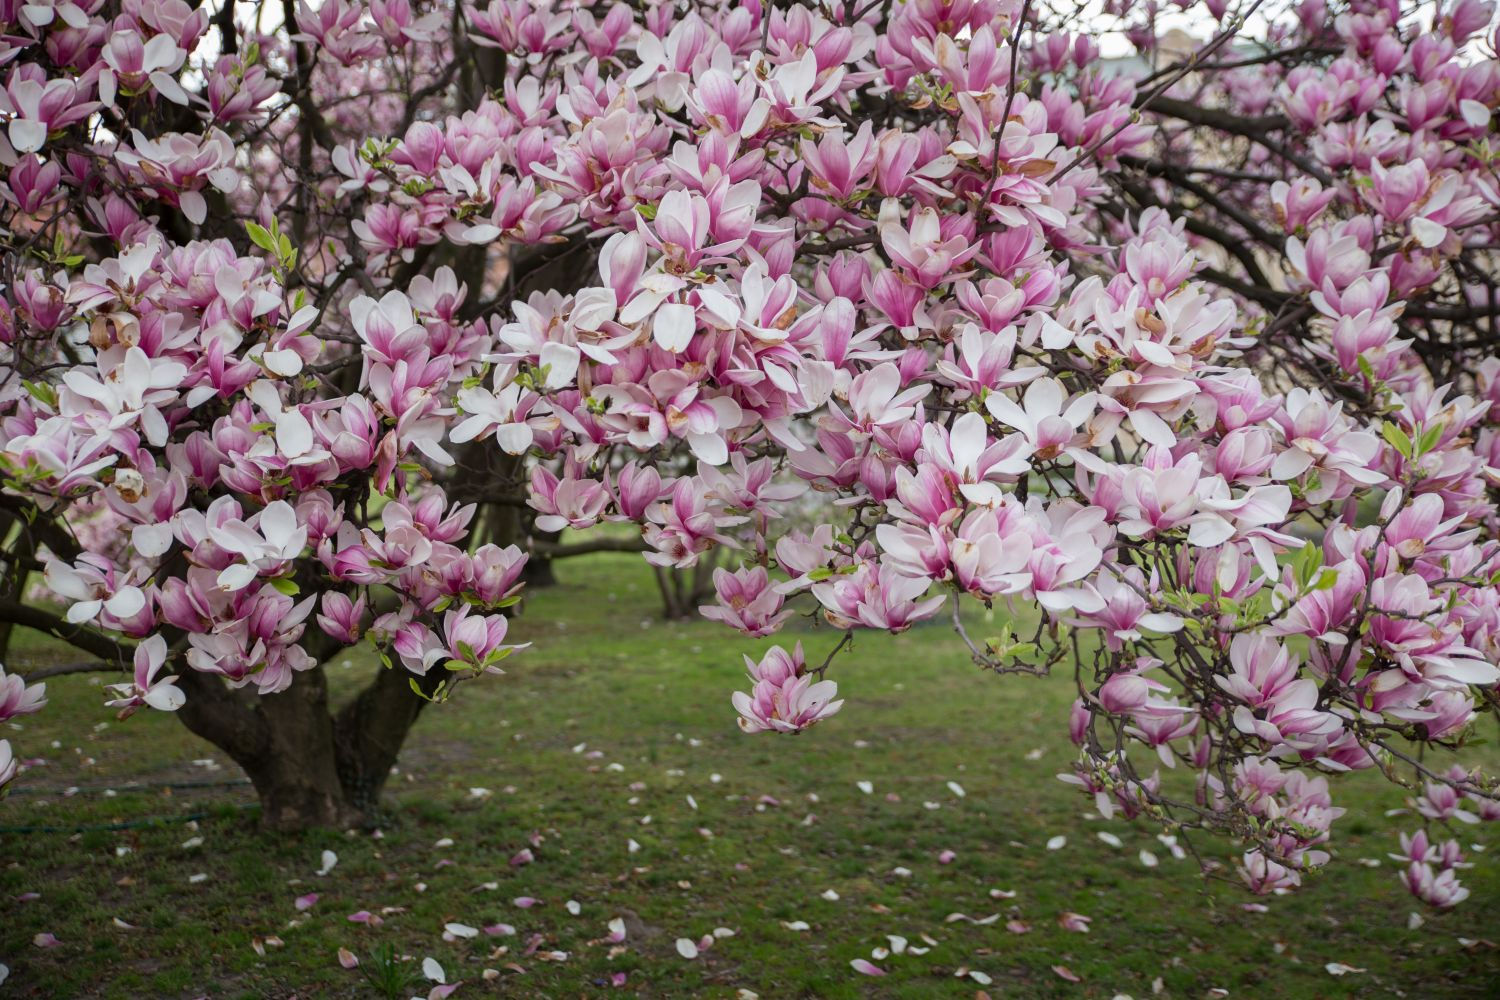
<point>1428,440</point>
<point>286,585</point>
<point>1306,564</point>
<point>261,237</point>
<point>42,392</point>
<point>1397,439</point>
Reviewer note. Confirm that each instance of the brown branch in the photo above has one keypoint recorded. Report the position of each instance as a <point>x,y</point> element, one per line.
<point>84,667</point>
<point>79,636</point>
<point>1254,129</point>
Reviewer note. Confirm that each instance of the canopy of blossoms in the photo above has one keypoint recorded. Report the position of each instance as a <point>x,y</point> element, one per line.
<point>913,307</point>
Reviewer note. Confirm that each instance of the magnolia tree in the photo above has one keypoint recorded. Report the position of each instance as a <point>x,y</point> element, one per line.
<point>1187,358</point>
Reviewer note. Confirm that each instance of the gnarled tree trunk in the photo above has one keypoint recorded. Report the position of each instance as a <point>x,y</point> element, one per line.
<point>309,767</point>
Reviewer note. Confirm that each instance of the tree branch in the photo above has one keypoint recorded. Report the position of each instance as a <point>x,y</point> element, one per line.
<point>79,636</point>
<point>84,667</point>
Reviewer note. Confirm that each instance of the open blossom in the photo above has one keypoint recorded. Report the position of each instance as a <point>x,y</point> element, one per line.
<point>1117,605</point>
<point>130,387</point>
<point>273,539</point>
<point>747,602</point>
<point>785,697</point>
<point>568,502</point>
<point>19,698</point>
<point>476,639</point>
<point>147,688</point>
<point>1318,436</point>
<point>9,767</point>
<point>875,595</point>
<point>93,586</point>
<point>1291,717</point>
<point>1263,668</point>
<point>1046,418</point>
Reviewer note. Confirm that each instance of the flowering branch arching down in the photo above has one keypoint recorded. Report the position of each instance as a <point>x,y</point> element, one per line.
<point>1193,352</point>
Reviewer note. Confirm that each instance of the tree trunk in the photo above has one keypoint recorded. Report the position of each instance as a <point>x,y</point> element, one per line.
<point>683,591</point>
<point>539,570</point>
<point>308,767</point>
<point>368,733</point>
<point>296,778</point>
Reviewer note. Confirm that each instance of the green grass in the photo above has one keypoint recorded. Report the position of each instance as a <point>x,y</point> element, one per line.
<point>653,699</point>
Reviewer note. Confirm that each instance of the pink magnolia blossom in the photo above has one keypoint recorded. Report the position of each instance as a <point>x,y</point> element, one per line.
<point>747,602</point>
<point>19,698</point>
<point>148,689</point>
<point>784,697</point>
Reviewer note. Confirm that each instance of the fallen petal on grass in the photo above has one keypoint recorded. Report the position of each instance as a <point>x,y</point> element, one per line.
<point>1076,922</point>
<point>1340,969</point>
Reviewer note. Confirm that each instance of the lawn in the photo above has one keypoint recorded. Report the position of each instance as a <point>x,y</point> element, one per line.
<point>611,744</point>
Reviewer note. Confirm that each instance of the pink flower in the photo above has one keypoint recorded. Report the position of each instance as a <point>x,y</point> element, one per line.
<point>147,689</point>
<point>747,602</point>
<point>19,698</point>
<point>924,251</point>
<point>8,764</point>
<point>566,503</point>
<point>476,640</point>
<point>1263,668</point>
<point>1439,889</point>
<point>1116,605</point>
<point>1048,421</point>
<point>783,698</point>
<point>341,617</point>
<point>874,595</point>
<point>1292,718</point>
